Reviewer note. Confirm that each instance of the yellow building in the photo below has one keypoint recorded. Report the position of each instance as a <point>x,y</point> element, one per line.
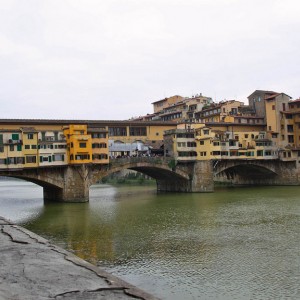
<point>79,144</point>
<point>100,153</point>
<point>219,141</point>
<point>232,141</point>
<point>289,140</point>
<point>11,154</point>
<point>30,146</point>
<point>160,105</point>
<point>216,112</point>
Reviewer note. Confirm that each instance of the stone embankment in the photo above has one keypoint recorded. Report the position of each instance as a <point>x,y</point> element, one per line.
<point>32,268</point>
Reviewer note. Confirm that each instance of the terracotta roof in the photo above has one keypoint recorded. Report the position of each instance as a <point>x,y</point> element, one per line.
<point>272,96</point>
<point>294,101</point>
<point>28,129</point>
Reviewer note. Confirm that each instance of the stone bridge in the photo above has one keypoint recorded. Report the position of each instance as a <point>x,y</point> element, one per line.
<point>71,183</point>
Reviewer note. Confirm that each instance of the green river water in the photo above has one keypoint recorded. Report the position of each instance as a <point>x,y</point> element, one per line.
<point>235,243</point>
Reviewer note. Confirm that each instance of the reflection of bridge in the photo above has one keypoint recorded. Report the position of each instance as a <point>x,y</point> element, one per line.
<point>71,183</point>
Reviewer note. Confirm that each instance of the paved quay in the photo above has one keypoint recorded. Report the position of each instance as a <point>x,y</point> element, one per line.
<point>33,268</point>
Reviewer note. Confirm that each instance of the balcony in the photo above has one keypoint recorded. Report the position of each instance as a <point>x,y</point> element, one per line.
<point>13,142</point>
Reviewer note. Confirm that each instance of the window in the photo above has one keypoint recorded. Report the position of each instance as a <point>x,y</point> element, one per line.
<point>283,106</point>
<point>102,145</point>
<point>1,149</point>
<point>216,153</point>
<point>181,144</point>
<point>82,157</point>
<point>82,145</point>
<point>290,138</point>
<point>58,157</point>
<point>98,135</point>
<point>33,146</point>
<point>273,107</point>
<point>1,139</point>
<point>11,147</point>
<point>30,159</point>
<point>100,156</point>
<point>246,136</point>
<point>30,136</point>
<point>201,142</point>
<point>260,152</point>
<point>191,144</point>
<point>117,131</point>
<point>137,131</point>
<point>15,136</point>
<point>27,147</point>
<point>187,153</point>
<point>290,128</point>
<point>206,131</point>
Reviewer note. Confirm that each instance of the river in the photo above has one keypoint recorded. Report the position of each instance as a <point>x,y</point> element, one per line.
<point>235,243</point>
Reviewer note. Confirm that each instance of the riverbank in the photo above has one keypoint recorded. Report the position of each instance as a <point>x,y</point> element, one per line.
<point>33,268</point>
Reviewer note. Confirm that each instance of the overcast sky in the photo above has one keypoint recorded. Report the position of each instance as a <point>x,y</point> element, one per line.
<point>110,59</point>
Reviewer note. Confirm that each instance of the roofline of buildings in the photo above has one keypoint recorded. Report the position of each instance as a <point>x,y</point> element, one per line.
<point>294,101</point>
<point>233,124</point>
<point>263,91</point>
<point>277,94</point>
<point>87,122</point>
<point>166,99</point>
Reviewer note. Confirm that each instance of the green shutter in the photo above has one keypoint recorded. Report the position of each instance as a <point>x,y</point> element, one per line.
<point>19,147</point>
<point>41,158</point>
<point>15,136</point>
<point>1,139</point>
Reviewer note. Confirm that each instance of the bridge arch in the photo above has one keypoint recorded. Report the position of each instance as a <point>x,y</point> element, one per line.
<point>160,170</point>
<point>255,172</point>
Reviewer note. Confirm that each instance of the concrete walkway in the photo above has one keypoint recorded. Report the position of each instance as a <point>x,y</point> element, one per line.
<point>32,268</point>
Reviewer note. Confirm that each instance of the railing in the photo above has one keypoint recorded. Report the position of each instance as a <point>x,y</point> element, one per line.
<point>155,160</point>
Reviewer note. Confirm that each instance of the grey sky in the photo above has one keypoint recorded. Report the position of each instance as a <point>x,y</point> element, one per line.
<point>109,59</point>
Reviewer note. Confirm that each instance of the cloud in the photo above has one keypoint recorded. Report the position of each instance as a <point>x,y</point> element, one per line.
<point>111,59</point>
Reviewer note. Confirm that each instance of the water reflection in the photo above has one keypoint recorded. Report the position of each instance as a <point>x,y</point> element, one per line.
<point>20,201</point>
<point>232,244</point>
